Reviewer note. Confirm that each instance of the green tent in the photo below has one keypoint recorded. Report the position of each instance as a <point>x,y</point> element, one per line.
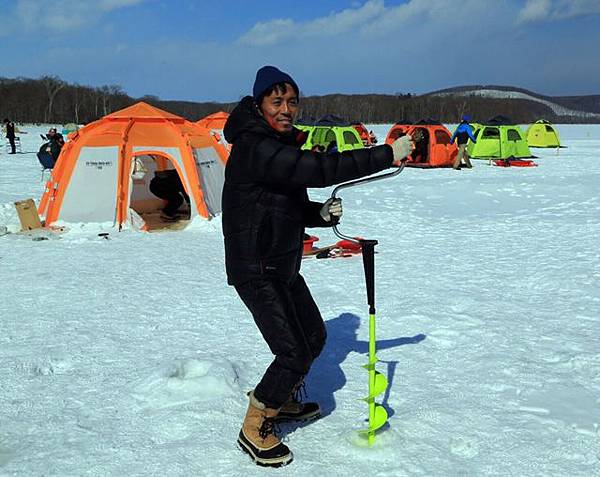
<point>542,134</point>
<point>475,127</point>
<point>498,138</point>
<point>330,129</point>
<point>69,128</point>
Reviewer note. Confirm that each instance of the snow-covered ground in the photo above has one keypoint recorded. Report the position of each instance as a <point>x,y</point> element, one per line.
<point>130,356</point>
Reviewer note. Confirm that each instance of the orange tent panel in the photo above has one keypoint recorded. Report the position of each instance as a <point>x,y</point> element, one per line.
<point>214,121</point>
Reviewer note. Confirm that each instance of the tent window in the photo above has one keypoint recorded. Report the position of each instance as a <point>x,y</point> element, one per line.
<point>549,129</point>
<point>396,133</point>
<point>491,133</point>
<point>442,137</point>
<point>513,135</point>
<point>350,138</point>
<point>330,136</point>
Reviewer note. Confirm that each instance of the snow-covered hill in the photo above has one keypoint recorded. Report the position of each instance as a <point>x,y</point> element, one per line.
<point>508,94</point>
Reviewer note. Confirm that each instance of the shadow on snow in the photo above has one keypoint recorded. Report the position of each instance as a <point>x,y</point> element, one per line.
<point>326,375</point>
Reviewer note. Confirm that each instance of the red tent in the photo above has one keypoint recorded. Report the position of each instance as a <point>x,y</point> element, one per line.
<point>434,150</point>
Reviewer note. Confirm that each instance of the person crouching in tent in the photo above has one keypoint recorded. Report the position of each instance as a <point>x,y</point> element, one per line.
<point>167,185</point>
<point>463,133</point>
<point>265,210</point>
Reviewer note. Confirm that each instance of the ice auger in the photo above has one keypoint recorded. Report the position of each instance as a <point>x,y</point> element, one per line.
<point>377,381</point>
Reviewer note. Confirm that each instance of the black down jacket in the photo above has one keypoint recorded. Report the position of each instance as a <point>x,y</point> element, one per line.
<point>265,204</point>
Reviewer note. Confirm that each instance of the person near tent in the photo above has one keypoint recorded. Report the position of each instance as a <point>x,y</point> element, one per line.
<point>421,150</point>
<point>331,147</point>
<point>55,143</point>
<point>463,133</point>
<point>265,210</point>
<point>372,137</point>
<point>167,185</point>
<point>10,135</point>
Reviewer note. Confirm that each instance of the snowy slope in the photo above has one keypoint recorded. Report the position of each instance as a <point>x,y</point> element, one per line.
<point>503,94</point>
<point>130,355</point>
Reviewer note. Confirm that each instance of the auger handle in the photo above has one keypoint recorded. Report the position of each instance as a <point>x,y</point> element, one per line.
<point>356,182</point>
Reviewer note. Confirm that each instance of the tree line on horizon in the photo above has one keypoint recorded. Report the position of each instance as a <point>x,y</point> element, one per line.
<point>50,99</point>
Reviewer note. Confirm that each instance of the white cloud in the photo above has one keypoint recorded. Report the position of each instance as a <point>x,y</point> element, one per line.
<point>70,15</point>
<point>572,8</point>
<point>550,10</point>
<point>108,5</point>
<point>534,10</point>
<point>334,24</point>
<point>369,19</point>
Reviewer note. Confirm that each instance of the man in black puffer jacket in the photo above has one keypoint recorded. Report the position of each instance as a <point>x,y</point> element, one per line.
<point>265,210</point>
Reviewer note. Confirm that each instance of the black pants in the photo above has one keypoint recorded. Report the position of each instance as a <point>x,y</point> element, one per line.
<point>291,324</point>
<point>13,148</point>
<point>169,191</point>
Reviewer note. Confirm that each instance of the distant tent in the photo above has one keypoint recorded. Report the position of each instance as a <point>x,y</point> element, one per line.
<point>542,134</point>
<point>306,121</point>
<point>499,138</point>
<point>428,121</point>
<point>475,127</point>
<point>216,122</point>
<point>69,128</point>
<point>331,131</point>
<point>363,132</point>
<point>332,120</point>
<point>103,172</point>
<point>434,150</point>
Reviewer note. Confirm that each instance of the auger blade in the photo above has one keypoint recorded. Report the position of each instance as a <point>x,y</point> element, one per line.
<point>381,384</point>
<point>379,419</point>
<point>371,365</point>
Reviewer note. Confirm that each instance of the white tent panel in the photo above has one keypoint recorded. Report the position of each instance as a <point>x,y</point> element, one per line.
<point>212,177</point>
<point>141,186</point>
<point>91,194</point>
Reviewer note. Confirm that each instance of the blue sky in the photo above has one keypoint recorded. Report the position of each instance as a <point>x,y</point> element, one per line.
<point>210,50</point>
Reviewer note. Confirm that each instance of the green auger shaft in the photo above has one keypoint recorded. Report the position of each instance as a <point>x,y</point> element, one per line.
<point>377,381</point>
<point>372,375</point>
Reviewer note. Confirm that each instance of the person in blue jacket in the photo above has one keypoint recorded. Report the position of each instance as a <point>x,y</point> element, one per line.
<point>463,133</point>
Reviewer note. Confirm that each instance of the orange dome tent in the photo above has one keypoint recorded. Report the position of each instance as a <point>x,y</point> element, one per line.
<point>216,122</point>
<point>435,149</point>
<point>103,173</point>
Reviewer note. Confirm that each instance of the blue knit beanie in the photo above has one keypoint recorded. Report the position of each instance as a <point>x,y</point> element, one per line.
<point>268,76</point>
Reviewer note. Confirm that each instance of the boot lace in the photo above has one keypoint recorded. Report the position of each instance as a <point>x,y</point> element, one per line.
<point>268,427</point>
<point>299,392</point>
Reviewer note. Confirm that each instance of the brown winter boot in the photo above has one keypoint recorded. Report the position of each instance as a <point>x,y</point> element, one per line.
<point>257,436</point>
<point>295,410</point>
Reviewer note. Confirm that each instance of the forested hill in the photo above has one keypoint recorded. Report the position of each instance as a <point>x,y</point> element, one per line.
<point>52,100</point>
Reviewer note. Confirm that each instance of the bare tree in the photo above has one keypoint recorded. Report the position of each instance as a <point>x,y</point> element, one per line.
<point>53,85</point>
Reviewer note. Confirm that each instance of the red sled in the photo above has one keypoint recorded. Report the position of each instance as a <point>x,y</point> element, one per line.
<point>514,163</point>
<point>342,248</point>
